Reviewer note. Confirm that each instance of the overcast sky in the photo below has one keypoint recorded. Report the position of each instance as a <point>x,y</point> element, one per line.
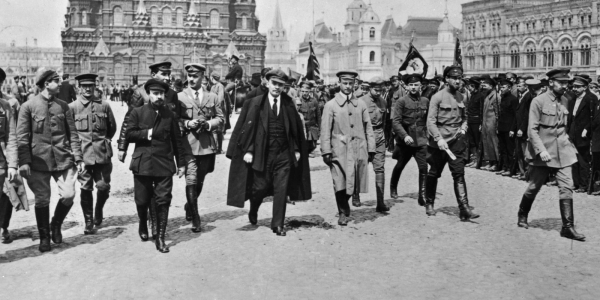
<point>43,19</point>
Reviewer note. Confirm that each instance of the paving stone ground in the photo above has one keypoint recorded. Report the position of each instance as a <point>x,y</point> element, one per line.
<point>400,255</point>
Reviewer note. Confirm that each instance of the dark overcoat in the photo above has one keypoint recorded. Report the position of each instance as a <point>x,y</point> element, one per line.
<point>582,119</point>
<point>250,135</point>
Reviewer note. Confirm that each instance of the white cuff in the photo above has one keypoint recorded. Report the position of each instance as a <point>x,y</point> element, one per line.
<point>149,134</point>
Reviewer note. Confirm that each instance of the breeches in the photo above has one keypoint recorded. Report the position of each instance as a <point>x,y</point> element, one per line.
<point>148,187</point>
<point>39,183</point>
<point>538,176</point>
<point>99,173</point>
<point>197,169</point>
<point>437,159</point>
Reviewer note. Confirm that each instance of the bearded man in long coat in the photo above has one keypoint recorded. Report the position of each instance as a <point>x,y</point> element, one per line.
<point>347,143</point>
<point>489,122</point>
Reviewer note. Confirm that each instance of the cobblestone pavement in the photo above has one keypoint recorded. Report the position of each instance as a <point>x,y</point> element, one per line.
<point>400,255</point>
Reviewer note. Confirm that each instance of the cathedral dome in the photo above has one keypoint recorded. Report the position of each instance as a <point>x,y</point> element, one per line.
<point>370,16</point>
<point>446,26</point>
<point>358,4</point>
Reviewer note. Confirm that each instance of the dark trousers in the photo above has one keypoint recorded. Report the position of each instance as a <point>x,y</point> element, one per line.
<point>520,150</point>
<point>404,154</point>
<point>474,135</point>
<point>437,159</point>
<point>274,178</point>
<point>149,187</point>
<point>506,148</point>
<point>581,170</point>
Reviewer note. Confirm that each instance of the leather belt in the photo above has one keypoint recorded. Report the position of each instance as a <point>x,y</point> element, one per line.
<point>380,126</point>
<point>454,125</point>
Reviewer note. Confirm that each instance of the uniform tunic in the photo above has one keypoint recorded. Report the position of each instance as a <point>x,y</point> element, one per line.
<point>312,118</point>
<point>377,113</point>
<point>347,134</point>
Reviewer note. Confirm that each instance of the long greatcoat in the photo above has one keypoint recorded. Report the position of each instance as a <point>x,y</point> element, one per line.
<point>347,134</point>
<point>489,125</point>
<point>250,134</point>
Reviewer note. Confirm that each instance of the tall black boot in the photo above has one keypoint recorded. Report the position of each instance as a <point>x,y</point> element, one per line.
<point>101,197</point>
<point>255,203</point>
<point>162,212</point>
<point>380,188</point>
<point>142,211</point>
<point>42,218</point>
<point>153,222</point>
<point>356,199</point>
<point>430,190</point>
<point>192,202</point>
<point>60,213</point>
<point>343,206</point>
<point>87,207</point>
<point>188,212</point>
<point>394,182</point>
<point>422,179</point>
<point>460,190</point>
<point>6,236</point>
<point>524,209</point>
<point>568,228</point>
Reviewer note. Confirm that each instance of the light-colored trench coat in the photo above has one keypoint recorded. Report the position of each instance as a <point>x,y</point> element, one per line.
<point>489,125</point>
<point>347,134</point>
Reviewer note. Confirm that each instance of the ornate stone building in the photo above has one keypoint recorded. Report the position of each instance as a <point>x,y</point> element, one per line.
<point>530,36</point>
<point>278,54</point>
<point>120,39</point>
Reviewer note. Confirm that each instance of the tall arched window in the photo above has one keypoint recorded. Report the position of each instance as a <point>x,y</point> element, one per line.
<point>180,17</point>
<point>515,57</point>
<point>548,54</point>
<point>154,16</point>
<point>362,34</point>
<point>372,57</point>
<point>566,53</point>
<point>214,18</point>
<point>482,61</point>
<point>531,56</point>
<point>244,21</point>
<point>167,17</point>
<point>118,16</point>
<point>586,54</point>
<point>372,33</point>
<point>495,57</point>
<point>84,20</point>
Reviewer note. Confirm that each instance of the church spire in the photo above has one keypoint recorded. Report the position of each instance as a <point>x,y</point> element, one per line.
<point>141,7</point>
<point>277,23</point>
<point>192,10</point>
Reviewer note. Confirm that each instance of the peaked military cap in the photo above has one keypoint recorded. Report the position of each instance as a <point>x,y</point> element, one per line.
<point>155,84</point>
<point>475,81</point>
<point>48,75</point>
<point>411,78</point>
<point>376,81</point>
<point>86,78</point>
<point>233,56</point>
<point>433,81</point>
<point>347,74</point>
<point>534,83</point>
<point>194,68</point>
<point>511,75</point>
<point>394,77</point>
<point>161,66</point>
<point>559,74</point>
<point>277,75</point>
<point>306,83</point>
<point>453,71</point>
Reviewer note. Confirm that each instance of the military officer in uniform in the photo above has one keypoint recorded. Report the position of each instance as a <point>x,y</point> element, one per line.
<point>311,113</point>
<point>410,127</point>
<point>551,152</point>
<point>223,102</point>
<point>155,131</point>
<point>447,126</point>
<point>347,143</point>
<point>49,148</point>
<point>377,109</point>
<point>96,126</point>
<point>201,115</point>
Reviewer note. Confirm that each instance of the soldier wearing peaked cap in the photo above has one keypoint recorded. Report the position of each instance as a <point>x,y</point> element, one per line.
<point>377,109</point>
<point>311,113</point>
<point>96,126</point>
<point>410,128</point>
<point>268,154</point>
<point>551,152</point>
<point>47,123</point>
<point>159,153</point>
<point>201,116</point>
<point>347,143</point>
<point>223,101</point>
<point>447,126</point>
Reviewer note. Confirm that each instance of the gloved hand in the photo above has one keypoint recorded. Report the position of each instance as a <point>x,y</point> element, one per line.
<point>327,159</point>
<point>371,157</point>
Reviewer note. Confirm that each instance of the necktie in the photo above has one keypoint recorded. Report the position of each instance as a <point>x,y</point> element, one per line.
<point>275,106</point>
<point>197,99</point>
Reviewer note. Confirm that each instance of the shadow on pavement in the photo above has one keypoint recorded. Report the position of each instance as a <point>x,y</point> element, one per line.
<point>549,224</point>
<point>177,235</point>
<point>292,223</point>
<point>32,231</point>
<point>68,243</point>
<point>369,214</point>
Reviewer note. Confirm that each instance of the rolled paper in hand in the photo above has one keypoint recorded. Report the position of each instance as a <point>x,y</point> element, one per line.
<point>452,156</point>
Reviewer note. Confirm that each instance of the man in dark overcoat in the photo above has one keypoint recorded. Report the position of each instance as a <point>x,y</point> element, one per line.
<point>268,154</point>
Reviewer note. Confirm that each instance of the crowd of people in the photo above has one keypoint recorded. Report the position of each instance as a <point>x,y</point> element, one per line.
<point>539,130</point>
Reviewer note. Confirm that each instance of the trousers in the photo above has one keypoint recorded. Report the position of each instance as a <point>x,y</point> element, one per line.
<point>148,187</point>
<point>39,183</point>
<point>538,176</point>
<point>437,159</point>
<point>99,173</point>
<point>274,178</point>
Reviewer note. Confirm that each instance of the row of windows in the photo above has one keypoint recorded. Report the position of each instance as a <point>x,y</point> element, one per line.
<point>566,59</point>
<point>565,22</point>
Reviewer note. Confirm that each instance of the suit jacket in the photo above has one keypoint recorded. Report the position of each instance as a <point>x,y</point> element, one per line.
<point>522,118</point>
<point>251,135</point>
<point>582,119</point>
<point>508,112</point>
<point>154,156</point>
<point>139,98</point>
<point>200,142</point>
<point>67,92</point>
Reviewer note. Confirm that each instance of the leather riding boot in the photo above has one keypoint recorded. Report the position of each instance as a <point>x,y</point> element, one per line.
<point>524,209</point>
<point>460,190</point>
<point>188,212</point>
<point>153,222</point>
<point>568,228</point>
<point>60,213</point>
<point>162,212</point>
<point>356,199</point>
<point>192,202</point>
<point>101,197</point>
<point>253,213</point>
<point>394,192</point>
<point>430,189</point>
<point>422,179</point>
<point>394,182</point>
<point>42,218</point>
<point>87,207</point>
<point>142,211</point>
<point>380,188</point>
<point>344,208</point>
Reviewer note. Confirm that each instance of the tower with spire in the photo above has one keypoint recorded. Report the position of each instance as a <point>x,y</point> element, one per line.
<point>278,52</point>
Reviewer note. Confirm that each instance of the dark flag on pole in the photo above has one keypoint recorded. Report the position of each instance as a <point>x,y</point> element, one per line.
<point>457,54</point>
<point>312,69</point>
<point>414,63</point>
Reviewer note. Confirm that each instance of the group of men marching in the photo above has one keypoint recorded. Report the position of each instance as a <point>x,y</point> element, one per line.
<point>278,128</point>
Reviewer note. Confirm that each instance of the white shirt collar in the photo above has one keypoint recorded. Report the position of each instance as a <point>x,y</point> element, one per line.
<point>272,101</point>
